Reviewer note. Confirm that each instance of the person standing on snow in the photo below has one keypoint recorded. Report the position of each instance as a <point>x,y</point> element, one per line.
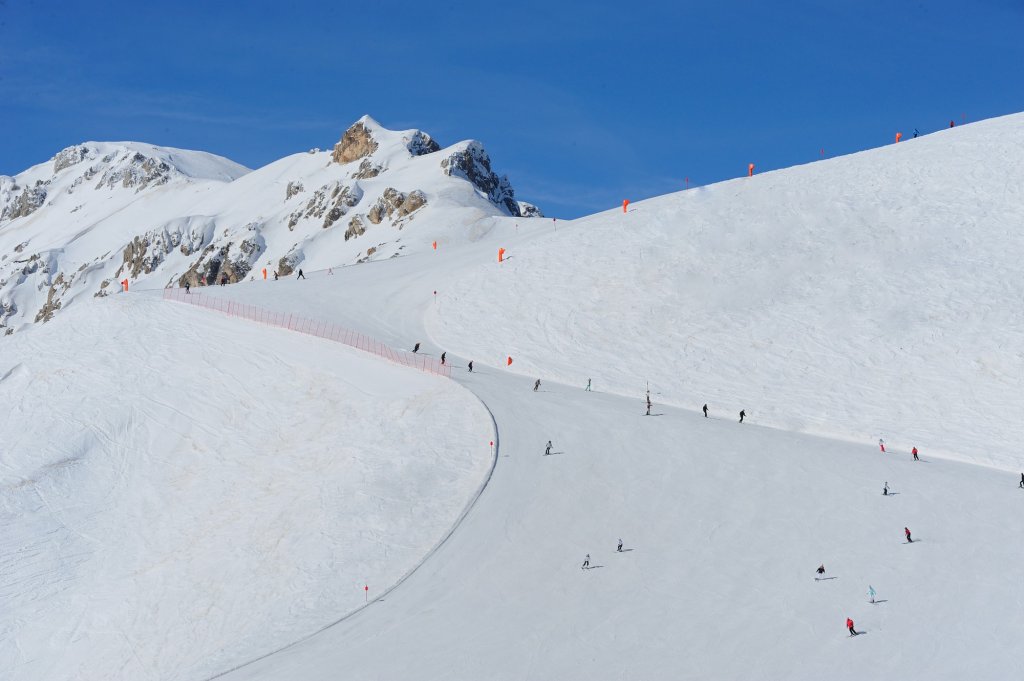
<point>471,366</point>
<point>536,385</point>
<point>588,386</point>
<point>914,452</point>
<point>619,547</point>
<point>188,286</point>
<point>705,410</point>
<point>906,531</point>
<point>885,489</point>
<point>743,414</point>
<point>871,593</point>
<point>415,348</point>
<point>648,402</point>
<point>547,450</point>
<point>1022,480</point>
<point>849,625</point>
<point>443,356</point>
<point>586,563</point>
<point>301,275</point>
<point>881,445</point>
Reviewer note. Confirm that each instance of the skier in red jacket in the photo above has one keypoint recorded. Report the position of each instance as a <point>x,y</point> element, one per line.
<point>914,452</point>
<point>906,530</point>
<point>849,625</point>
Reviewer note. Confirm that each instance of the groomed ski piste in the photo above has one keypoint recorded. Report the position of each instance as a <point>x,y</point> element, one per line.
<point>245,481</point>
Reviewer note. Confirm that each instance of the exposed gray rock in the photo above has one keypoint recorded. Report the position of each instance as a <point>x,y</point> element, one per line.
<point>136,170</point>
<point>26,203</point>
<point>421,143</point>
<point>473,164</point>
<point>355,228</point>
<point>368,169</point>
<point>528,210</point>
<point>69,157</point>
<point>293,189</point>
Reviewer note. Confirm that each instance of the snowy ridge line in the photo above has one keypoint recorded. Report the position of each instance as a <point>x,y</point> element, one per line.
<point>437,547</point>
<point>312,327</point>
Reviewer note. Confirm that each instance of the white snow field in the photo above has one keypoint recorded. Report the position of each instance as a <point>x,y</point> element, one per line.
<point>181,491</point>
<point>862,297</point>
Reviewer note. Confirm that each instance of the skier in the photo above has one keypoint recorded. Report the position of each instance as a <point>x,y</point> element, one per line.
<point>301,275</point>
<point>821,569</point>
<point>619,547</point>
<point>648,402</point>
<point>223,279</point>
<point>914,452</point>
<point>885,490</point>
<point>547,450</point>
<point>705,409</point>
<point>906,531</point>
<point>742,415</point>
<point>416,348</point>
<point>871,593</point>
<point>881,445</point>
<point>588,386</point>
<point>471,366</point>
<point>443,356</point>
<point>586,563</point>
<point>536,385</point>
<point>1022,480</point>
<point>188,286</point>
<point>275,275</point>
<point>915,133</point>
<point>849,625</point>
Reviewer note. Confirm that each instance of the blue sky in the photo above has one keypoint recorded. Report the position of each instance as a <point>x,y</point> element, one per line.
<point>581,104</point>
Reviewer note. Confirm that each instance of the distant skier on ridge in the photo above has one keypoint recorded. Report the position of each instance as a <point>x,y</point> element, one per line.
<point>906,530</point>
<point>743,415</point>
<point>914,452</point>
<point>471,366</point>
<point>536,385</point>
<point>881,445</point>
<point>443,356</point>
<point>705,409</point>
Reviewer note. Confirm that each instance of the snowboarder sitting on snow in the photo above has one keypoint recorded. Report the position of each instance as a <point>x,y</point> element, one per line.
<point>821,569</point>
<point>849,625</point>
<point>547,450</point>
<point>907,532</point>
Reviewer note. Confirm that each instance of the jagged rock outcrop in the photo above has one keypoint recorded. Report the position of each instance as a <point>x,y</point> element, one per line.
<point>368,169</point>
<point>330,202</point>
<point>69,157</point>
<point>528,210</point>
<point>289,263</point>
<point>136,170</point>
<point>52,303</point>
<point>421,143</point>
<point>355,143</point>
<point>26,203</point>
<point>229,263</point>
<point>395,203</point>
<point>293,189</point>
<point>355,228</point>
<point>473,164</point>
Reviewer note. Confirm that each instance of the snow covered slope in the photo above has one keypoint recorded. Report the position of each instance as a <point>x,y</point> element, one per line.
<point>180,491</point>
<point>102,212</point>
<point>870,296</point>
<point>863,297</point>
